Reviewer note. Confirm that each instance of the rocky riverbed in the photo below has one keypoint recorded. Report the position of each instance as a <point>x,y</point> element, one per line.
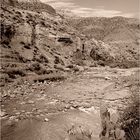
<point>48,110</point>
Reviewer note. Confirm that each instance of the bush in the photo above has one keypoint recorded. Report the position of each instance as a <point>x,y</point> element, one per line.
<point>131,115</point>
<point>7,32</point>
<point>15,71</point>
<point>58,60</point>
<point>35,66</point>
<point>39,69</point>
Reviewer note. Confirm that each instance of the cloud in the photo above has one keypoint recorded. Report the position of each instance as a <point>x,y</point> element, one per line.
<point>61,4</point>
<point>64,5</point>
<point>84,11</point>
<point>54,1</point>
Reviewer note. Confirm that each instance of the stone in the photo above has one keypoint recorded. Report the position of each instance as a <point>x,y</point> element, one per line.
<point>107,78</point>
<point>71,108</point>
<point>18,113</point>
<point>23,111</point>
<point>67,106</point>
<point>46,119</point>
<point>30,102</point>
<point>28,113</point>
<point>41,92</point>
<point>13,96</point>
<point>12,118</point>
<point>2,113</point>
<point>22,103</point>
<point>34,109</point>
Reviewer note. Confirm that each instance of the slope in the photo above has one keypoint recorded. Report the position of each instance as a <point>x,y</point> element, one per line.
<point>34,43</point>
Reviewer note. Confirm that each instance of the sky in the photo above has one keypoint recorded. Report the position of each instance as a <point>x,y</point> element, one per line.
<point>98,8</point>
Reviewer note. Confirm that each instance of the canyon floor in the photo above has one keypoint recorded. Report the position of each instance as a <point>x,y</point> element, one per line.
<point>46,111</point>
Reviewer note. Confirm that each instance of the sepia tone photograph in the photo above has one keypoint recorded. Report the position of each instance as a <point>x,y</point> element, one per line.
<point>70,70</point>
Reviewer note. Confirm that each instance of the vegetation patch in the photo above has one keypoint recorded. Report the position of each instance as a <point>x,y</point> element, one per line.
<point>49,77</point>
<point>131,115</point>
<point>15,71</point>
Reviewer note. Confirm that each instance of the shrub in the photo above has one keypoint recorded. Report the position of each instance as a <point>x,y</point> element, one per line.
<point>39,69</point>
<point>35,66</point>
<point>58,60</point>
<point>15,71</point>
<point>7,32</point>
<point>49,77</point>
<point>131,115</point>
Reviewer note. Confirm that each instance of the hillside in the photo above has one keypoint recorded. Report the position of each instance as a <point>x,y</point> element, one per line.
<point>31,43</point>
<point>37,41</point>
<point>121,35</point>
<point>102,28</point>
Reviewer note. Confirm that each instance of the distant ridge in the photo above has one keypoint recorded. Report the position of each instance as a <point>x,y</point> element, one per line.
<point>102,28</point>
<point>32,5</point>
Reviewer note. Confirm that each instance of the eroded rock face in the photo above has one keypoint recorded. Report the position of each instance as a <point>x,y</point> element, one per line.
<point>22,37</point>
